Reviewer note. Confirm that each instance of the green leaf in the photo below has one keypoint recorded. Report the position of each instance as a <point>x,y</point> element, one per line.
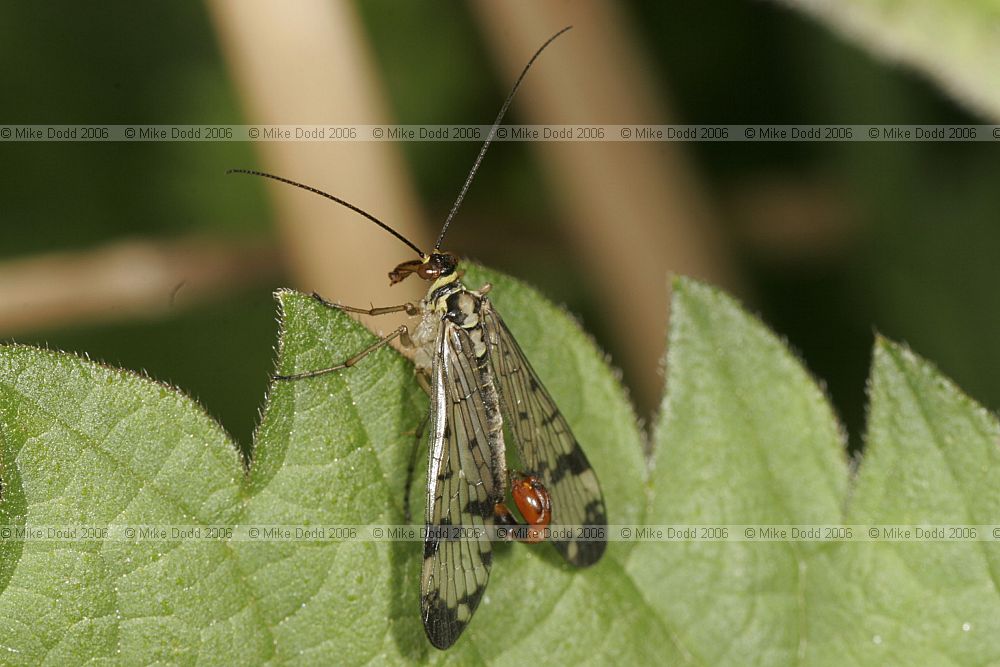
<point>952,42</point>
<point>333,450</point>
<point>86,444</point>
<point>932,457</point>
<point>82,443</point>
<point>745,436</point>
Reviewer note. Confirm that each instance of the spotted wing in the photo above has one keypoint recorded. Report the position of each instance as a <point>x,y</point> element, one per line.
<point>546,445</point>
<point>464,482</point>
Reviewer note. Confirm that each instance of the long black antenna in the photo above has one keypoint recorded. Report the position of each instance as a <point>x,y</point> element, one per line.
<point>489,138</point>
<point>356,209</point>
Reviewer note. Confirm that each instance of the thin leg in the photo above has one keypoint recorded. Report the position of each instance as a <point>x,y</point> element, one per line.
<point>409,308</point>
<point>401,332</point>
<point>411,469</point>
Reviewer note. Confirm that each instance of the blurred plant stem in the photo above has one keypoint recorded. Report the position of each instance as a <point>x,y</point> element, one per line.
<point>126,280</point>
<point>633,211</point>
<point>309,63</point>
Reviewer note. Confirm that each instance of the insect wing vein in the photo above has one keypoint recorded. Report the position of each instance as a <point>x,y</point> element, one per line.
<point>546,445</point>
<point>464,484</point>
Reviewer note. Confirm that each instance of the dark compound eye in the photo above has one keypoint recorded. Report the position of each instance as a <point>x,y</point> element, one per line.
<point>439,264</point>
<point>446,261</point>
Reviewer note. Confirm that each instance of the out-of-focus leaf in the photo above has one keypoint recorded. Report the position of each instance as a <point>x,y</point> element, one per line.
<point>954,42</point>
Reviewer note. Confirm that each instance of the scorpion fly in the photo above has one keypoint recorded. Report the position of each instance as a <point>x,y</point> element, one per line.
<point>478,380</point>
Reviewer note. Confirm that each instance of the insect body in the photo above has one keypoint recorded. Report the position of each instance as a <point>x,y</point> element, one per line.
<point>479,380</point>
<point>479,377</point>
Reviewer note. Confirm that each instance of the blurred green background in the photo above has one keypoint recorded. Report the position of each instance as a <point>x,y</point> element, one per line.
<point>909,249</point>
